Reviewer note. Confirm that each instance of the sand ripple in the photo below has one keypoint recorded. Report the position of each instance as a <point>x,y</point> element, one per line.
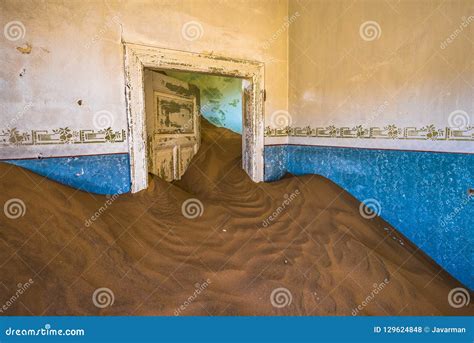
<point>227,261</point>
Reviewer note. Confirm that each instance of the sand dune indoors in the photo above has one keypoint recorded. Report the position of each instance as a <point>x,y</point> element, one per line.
<point>298,246</point>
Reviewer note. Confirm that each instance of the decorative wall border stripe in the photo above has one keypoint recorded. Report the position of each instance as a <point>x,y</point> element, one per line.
<point>429,132</point>
<point>66,135</point>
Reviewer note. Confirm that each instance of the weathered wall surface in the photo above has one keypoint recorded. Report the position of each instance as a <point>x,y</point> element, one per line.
<point>221,98</point>
<point>62,78</point>
<point>386,75</point>
<point>423,195</point>
<point>402,68</point>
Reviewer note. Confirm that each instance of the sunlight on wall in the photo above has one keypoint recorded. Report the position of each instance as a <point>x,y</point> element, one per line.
<point>221,98</point>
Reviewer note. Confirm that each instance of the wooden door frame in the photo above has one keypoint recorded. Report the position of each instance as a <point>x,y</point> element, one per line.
<point>137,57</point>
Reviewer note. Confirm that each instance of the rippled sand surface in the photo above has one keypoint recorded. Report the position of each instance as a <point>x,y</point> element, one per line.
<point>298,246</point>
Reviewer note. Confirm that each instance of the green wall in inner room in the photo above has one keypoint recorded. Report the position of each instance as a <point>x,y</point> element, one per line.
<point>221,98</point>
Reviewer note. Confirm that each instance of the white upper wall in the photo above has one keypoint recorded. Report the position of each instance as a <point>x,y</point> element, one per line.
<point>415,72</point>
<point>378,63</point>
<point>76,54</point>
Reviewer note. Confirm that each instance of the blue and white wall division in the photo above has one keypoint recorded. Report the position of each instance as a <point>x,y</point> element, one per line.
<point>387,116</point>
<point>63,99</point>
<point>425,195</point>
<point>380,101</point>
<point>40,151</point>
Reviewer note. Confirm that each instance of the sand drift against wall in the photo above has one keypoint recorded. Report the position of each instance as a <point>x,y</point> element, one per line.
<point>214,243</point>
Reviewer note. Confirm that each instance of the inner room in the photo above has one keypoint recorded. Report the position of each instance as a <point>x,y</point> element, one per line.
<point>180,107</point>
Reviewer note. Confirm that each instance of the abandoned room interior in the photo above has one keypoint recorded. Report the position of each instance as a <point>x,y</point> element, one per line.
<point>236,158</point>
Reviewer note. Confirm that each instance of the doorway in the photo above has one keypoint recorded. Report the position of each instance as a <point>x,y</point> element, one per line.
<point>140,57</point>
<point>176,104</point>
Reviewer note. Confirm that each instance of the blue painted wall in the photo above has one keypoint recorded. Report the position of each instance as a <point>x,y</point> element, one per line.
<point>276,162</point>
<point>422,194</point>
<point>100,174</point>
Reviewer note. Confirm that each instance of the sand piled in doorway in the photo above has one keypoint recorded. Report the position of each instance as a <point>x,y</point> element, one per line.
<point>298,246</point>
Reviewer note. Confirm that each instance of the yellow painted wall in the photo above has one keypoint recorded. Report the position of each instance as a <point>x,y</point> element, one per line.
<point>375,63</point>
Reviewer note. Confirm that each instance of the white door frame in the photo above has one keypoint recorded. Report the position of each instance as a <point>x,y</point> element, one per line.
<point>138,57</point>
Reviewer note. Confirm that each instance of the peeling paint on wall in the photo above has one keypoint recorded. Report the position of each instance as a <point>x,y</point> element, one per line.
<point>221,98</point>
<point>424,195</point>
<point>59,70</point>
<point>100,174</point>
<point>26,49</point>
